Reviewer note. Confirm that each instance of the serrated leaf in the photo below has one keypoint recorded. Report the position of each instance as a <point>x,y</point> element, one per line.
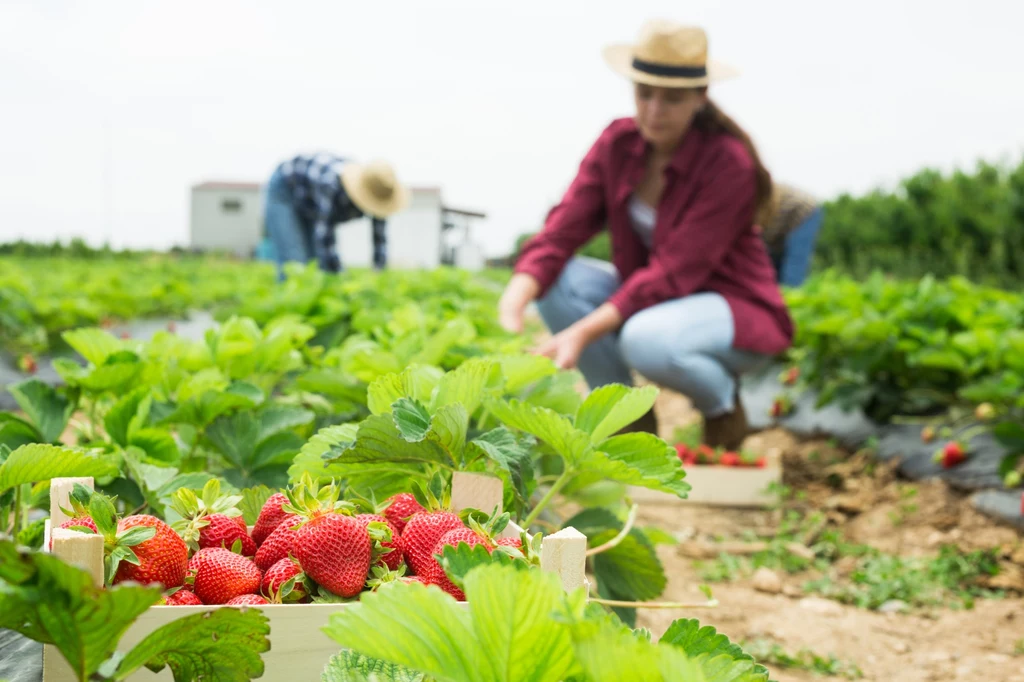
<point>15,432</point>
<point>334,384</point>
<point>95,345</point>
<point>350,666</point>
<point>252,502</point>
<point>417,383</point>
<point>466,385</point>
<point>713,652</point>
<point>558,392</point>
<point>55,603</point>
<point>411,418</point>
<point>545,424</point>
<point>522,370</point>
<point>611,407</point>
<point>222,645</point>
<point>379,442</point>
<point>157,444</point>
<point>640,459</point>
<point>459,561</point>
<point>610,654</point>
<point>280,418</point>
<point>436,346</point>
<point>48,410</point>
<point>38,462</point>
<point>31,536</point>
<point>1010,435</point>
<point>327,443</point>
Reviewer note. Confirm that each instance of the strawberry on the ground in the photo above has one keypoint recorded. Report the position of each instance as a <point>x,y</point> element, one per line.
<point>27,364</point>
<point>219,575</point>
<point>400,509</point>
<point>790,376</point>
<point>211,519</point>
<point>270,517</point>
<point>781,406</point>
<point>334,549</point>
<point>283,582</point>
<point>246,600</point>
<point>162,559</point>
<point>953,454</point>
<point>182,597</point>
<point>928,434</point>
<point>392,559</point>
<point>278,545</point>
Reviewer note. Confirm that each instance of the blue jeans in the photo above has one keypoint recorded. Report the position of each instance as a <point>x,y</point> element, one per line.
<point>291,237</point>
<point>795,260</point>
<point>684,344</point>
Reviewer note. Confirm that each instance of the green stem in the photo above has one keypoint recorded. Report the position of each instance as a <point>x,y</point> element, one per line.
<point>555,488</point>
<point>17,512</point>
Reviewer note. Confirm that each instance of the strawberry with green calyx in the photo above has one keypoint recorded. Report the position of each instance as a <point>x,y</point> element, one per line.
<point>270,517</point>
<point>79,518</point>
<point>387,553</point>
<point>383,576</point>
<point>284,583</point>
<point>400,509</point>
<point>790,376</point>
<point>424,529</point>
<point>139,548</point>
<point>27,364</point>
<point>686,455</point>
<point>247,600</point>
<point>952,454</point>
<point>333,547</point>
<point>927,434</point>
<point>212,520</point>
<point>477,532</point>
<point>729,459</point>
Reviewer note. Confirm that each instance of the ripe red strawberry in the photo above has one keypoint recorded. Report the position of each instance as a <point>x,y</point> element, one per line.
<point>182,597</point>
<point>421,535</point>
<point>223,531</point>
<point>270,517</point>
<point>686,455</point>
<point>402,506</point>
<point>392,559</point>
<point>729,459</point>
<point>221,575</point>
<point>706,454</point>
<point>278,544</point>
<point>761,463</point>
<point>1022,504</point>
<point>781,406</point>
<point>791,376</point>
<point>247,600</point>
<point>435,574</point>
<point>511,542</point>
<point>335,551</point>
<point>279,574</point>
<point>85,521</point>
<point>162,559</point>
<point>953,454</point>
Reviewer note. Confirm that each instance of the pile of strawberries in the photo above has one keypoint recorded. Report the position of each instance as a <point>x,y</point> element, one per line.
<point>306,545</point>
<point>705,454</point>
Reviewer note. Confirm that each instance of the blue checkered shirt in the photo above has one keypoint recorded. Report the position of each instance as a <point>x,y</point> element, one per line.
<point>320,200</point>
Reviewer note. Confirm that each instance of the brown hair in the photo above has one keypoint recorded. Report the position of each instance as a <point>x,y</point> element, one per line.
<point>711,119</point>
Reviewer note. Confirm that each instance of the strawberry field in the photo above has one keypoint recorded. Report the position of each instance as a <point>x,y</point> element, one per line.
<point>301,453</point>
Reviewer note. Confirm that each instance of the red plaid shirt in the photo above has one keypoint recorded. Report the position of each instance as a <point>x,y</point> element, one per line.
<point>705,238</point>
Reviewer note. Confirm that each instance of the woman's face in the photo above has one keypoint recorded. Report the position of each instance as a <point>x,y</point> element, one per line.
<point>664,114</point>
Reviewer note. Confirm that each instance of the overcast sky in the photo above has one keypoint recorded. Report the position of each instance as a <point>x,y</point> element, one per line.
<point>111,110</point>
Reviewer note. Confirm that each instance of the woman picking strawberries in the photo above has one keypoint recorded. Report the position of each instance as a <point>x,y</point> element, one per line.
<point>690,300</point>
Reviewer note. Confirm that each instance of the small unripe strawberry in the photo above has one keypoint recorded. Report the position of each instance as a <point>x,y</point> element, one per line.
<point>984,412</point>
<point>27,364</point>
<point>1012,479</point>
<point>927,434</point>
<point>791,376</point>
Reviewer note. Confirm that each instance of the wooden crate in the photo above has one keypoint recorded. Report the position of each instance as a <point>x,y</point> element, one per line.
<point>720,486</point>
<point>299,649</point>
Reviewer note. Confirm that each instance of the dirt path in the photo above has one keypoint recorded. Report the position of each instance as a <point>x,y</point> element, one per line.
<point>872,507</point>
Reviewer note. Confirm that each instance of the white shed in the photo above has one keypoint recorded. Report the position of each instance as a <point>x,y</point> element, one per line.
<point>227,216</point>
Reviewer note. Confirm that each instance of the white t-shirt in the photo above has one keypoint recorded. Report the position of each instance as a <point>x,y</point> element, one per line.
<point>643,217</point>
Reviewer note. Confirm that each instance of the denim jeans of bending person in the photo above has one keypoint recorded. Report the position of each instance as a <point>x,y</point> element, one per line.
<point>291,237</point>
<point>794,259</point>
<point>684,344</point>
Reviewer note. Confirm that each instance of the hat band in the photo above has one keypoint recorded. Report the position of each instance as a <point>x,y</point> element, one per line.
<point>669,71</point>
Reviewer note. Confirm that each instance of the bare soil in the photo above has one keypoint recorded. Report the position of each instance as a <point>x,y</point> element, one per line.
<point>871,506</point>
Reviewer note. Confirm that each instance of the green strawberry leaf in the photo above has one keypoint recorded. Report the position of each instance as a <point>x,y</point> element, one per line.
<point>252,502</point>
<point>159,445</point>
<point>15,432</point>
<point>55,603</point>
<point>459,561</point>
<point>119,418</point>
<point>417,383</point>
<point>558,392</point>
<point>520,371</point>
<point>327,443</point>
<point>223,645</point>
<point>708,648</point>
<point>37,462</point>
<point>349,666</point>
<point>411,418</point>
<point>95,345</point>
<point>610,408</point>
<point>640,459</point>
<point>31,536</point>
<point>48,410</point>
<point>436,346</point>
<point>547,425</point>
<point>466,385</point>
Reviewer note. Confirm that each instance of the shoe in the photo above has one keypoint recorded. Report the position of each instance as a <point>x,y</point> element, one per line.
<point>728,430</point>
<point>645,424</point>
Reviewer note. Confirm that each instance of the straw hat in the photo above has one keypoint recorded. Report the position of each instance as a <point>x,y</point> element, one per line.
<point>374,188</point>
<point>668,55</point>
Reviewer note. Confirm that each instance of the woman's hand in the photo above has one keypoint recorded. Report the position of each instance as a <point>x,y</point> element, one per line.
<point>519,291</point>
<point>564,347</point>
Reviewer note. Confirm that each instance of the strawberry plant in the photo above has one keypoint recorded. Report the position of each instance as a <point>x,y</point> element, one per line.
<point>54,603</point>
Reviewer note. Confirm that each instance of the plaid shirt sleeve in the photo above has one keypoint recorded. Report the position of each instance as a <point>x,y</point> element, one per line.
<point>380,244</point>
<point>323,230</point>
